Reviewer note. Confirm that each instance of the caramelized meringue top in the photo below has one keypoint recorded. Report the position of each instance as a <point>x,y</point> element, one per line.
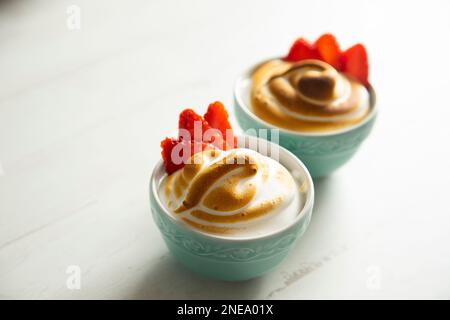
<point>238,192</point>
<point>307,96</point>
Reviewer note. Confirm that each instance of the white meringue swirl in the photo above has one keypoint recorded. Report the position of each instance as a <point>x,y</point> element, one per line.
<point>238,192</point>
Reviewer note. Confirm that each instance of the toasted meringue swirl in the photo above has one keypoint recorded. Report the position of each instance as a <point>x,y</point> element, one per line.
<point>232,192</point>
<point>309,96</point>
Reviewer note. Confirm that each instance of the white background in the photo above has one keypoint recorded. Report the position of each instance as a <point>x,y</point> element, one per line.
<point>82,113</point>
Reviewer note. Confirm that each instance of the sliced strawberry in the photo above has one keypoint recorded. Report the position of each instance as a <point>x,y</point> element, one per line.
<point>187,121</point>
<point>217,117</point>
<point>167,146</point>
<point>329,50</point>
<point>176,159</point>
<point>301,50</point>
<point>356,64</point>
<point>176,151</point>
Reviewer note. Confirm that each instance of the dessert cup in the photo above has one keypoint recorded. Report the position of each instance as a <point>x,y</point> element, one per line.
<point>321,152</point>
<point>233,258</point>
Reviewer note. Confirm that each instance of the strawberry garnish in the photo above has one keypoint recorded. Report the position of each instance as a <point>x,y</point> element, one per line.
<point>175,159</point>
<point>352,61</point>
<point>217,117</point>
<point>167,146</point>
<point>302,50</point>
<point>329,50</point>
<point>356,64</point>
<point>187,121</point>
<point>200,135</point>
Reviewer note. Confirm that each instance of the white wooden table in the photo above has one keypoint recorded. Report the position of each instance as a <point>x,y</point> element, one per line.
<point>82,112</point>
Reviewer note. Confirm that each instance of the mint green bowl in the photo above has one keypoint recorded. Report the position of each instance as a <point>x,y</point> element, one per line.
<point>232,258</point>
<point>322,153</point>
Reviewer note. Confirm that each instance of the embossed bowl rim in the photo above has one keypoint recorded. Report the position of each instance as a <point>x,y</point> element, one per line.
<point>246,77</point>
<point>283,153</point>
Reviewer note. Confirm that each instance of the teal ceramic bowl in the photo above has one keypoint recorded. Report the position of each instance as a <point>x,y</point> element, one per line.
<point>322,153</point>
<point>232,258</point>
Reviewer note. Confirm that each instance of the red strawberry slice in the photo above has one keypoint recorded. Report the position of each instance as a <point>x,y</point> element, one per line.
<point>355,63</point>
<point>176,159</point>
<point>329,50</point>
<point>187,121</point>
<point>167,146</point>
<point>217,117</point>
<point>301,50</point>
<point>176,151</point>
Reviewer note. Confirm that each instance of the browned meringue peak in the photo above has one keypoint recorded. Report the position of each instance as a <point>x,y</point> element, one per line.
<point>227,197</point>
<point>316,85</point>
<point>311,86</point>
<point>307,96</point>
